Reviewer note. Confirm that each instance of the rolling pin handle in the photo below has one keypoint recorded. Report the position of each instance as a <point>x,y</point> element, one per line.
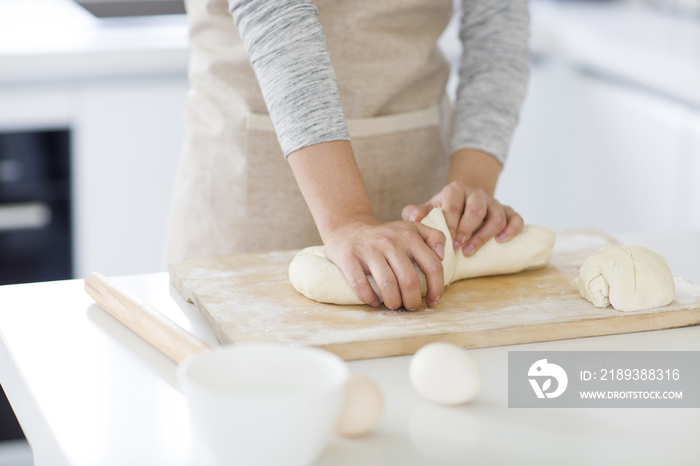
<point>161,332</point>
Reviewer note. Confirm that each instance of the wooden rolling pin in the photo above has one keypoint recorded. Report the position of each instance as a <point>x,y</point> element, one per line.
<point>161,332</point>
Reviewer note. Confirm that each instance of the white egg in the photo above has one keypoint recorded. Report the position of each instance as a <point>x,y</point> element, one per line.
<point>362,407</point>
<point>444,373</point>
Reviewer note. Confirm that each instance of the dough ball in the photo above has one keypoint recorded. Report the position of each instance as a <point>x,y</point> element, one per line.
<point>362,407</point>
<point>444,373</point>
<point>630,278</point>
<point>317,278</point>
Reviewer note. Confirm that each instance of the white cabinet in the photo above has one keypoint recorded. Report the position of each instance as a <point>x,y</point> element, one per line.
<point>119,85</point>
<point>592,152</point>
<point>609,134</point>
<point>126,142</point>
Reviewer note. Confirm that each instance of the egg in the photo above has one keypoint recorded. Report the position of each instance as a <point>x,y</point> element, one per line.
<point>444,373</point>
<point>362,406</point>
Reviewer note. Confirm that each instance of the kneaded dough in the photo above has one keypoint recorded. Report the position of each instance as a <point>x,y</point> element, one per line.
<point>630,278</point>
<point>317,278</point>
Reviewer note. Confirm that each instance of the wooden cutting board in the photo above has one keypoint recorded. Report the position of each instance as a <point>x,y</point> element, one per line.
<point>248,298</point>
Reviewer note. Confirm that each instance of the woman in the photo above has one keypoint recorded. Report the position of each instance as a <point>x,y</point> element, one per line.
<point>358,133</point>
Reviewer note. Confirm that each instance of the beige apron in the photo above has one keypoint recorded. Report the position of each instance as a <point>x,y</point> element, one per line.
<point>235,192</point>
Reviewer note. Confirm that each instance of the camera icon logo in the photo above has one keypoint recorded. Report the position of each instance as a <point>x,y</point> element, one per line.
<point>541,369</point>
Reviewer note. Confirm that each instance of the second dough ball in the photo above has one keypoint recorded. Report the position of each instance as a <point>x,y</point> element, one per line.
<point>630,278</point>
<point>445,373</point>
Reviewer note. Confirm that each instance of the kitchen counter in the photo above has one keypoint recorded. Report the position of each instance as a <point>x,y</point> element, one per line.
<point>88,391</point>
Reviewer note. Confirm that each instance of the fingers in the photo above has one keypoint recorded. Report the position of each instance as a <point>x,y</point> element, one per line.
<point>385,276</point>
<point>514,227</point>
<point>396,277</point>
<point>432,269</point>
<point>434,274</point>
<point>435,239</point>
<point>453,202</point>
<point>475,212</point>
<point>473,218</point>
<point>408,281</point>
<point>391,252</point>
<point>416,213</point>
<point>386,253</point>
<point>494,222</point>
<point>357,278</point>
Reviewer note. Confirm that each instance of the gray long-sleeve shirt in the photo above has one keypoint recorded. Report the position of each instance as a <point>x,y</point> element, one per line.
<point>288,51</point>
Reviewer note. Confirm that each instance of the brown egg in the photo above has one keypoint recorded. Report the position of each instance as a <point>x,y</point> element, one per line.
<point>362,407</point>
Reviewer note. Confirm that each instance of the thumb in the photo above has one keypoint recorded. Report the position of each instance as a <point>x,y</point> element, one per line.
<point>415,213</point>
<point>435,239</point>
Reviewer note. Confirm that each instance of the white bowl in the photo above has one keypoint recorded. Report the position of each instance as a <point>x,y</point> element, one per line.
<point>260,404</point>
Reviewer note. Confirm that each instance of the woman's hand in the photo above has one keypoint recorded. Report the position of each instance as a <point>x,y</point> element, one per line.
<point>356,241</point>
<point>473,215</point>
<point>364,246</point>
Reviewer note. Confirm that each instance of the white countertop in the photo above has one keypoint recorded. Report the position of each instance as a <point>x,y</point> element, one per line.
<point>88,391</point>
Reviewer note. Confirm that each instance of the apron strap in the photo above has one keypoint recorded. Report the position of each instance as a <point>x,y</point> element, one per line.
<point>372,126</point>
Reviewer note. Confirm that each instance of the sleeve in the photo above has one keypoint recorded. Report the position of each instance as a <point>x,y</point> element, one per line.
<point>288,52</point>
<point>493,74</point>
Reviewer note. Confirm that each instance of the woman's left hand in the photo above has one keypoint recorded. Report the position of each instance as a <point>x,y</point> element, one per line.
<point>473,217</point>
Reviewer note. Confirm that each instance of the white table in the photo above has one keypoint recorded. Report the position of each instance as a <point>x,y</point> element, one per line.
<point>88,391</point>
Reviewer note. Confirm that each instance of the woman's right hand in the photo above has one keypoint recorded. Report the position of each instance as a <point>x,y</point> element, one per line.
<point>362,245</point>
<point>356,241</point>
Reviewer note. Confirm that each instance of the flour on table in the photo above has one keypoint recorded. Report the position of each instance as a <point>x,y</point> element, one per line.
<point>317,278</point>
